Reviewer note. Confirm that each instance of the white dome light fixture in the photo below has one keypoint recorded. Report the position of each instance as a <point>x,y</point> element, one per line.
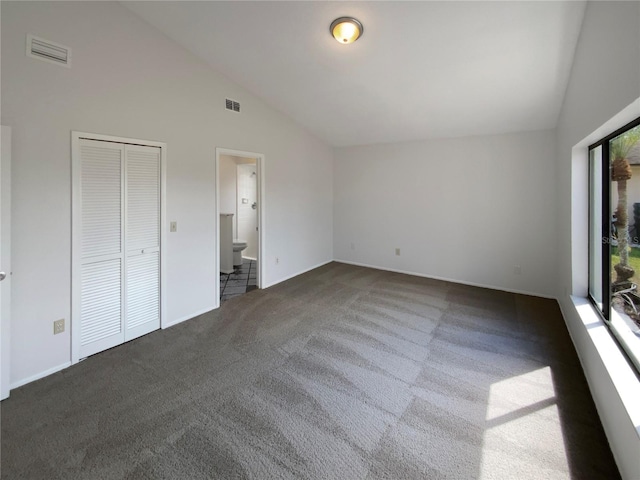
<point>346,29</point>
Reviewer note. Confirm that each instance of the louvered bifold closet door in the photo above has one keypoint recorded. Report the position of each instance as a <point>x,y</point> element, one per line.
<point>101,286</point>
<point>142,240</point>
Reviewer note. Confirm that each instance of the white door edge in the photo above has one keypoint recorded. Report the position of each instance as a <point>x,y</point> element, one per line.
<point>5,262</point>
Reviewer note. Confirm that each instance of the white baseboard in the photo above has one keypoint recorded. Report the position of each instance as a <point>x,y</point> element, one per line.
<point>188,317</point>
<point>451,280</point>
<point>40,375</point>
<point>296,274</point>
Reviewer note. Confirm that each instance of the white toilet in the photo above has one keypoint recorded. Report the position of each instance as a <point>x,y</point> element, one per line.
<point>238,247</point>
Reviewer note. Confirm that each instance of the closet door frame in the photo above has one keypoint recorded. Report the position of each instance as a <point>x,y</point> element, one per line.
<point>76,222</point>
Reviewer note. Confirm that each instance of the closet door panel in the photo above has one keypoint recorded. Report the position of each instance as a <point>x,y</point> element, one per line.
<point>143,198</point>
<point>143,294</point>
<point>101,190</point>
<point>101,303</point>
<point>142,235</point>
<point>101,286</point>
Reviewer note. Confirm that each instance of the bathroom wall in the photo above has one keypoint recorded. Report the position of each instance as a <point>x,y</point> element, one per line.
<point>227,172</point>
<point>231,194</point>
<point>247,216</point>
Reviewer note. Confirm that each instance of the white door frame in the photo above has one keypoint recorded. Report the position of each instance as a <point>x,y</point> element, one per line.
<point>260,160</point>
<point>76,221</point>
<point>5,262</point>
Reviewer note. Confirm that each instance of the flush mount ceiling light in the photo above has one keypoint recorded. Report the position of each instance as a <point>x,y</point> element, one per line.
<point>346,29</point>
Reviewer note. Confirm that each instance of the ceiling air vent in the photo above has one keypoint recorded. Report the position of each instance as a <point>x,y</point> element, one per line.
<point>48,51</point>
<point>232,105</point>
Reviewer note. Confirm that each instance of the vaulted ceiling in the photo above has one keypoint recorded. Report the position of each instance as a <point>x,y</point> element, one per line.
<point>420,70</point>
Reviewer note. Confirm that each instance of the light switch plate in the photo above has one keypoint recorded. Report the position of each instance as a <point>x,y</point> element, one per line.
<point>173,227</point>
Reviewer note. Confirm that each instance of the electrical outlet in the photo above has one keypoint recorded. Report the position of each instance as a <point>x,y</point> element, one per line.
<point>397,251</point>
<point>173,227</point>
<point>58,326</point>
<point>517,269</point>
<point>277,260</point>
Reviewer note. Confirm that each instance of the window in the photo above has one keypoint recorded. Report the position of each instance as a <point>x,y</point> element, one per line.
<point>614,235</point>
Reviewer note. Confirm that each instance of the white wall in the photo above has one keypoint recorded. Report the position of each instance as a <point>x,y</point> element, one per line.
<point>465,209</point>
<point>605,79</point>
<point>129,80</point>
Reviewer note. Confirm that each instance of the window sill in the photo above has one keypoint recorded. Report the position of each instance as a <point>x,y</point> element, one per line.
<point>617,366</point>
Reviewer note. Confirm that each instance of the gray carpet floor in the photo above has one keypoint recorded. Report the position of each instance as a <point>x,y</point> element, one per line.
<point>341,373</point>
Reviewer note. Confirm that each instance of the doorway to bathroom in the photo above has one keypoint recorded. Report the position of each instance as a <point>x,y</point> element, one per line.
<point>239,210</point>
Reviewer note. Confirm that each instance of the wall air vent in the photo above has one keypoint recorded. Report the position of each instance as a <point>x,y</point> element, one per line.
<point>48,51</point>
<point>232,105</point>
